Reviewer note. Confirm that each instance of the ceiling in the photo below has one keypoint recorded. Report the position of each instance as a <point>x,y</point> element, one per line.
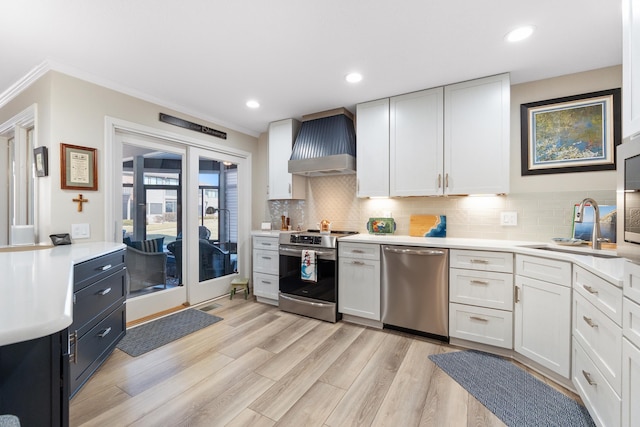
<point>206,58</point>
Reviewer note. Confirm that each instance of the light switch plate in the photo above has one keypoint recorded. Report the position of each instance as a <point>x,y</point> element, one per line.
<point>80,231</point>
<point>509,218</point>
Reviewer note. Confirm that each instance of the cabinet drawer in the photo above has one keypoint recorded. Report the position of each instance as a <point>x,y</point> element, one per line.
<point>92,301</point>
<point>481,260</point>
<point>599,292</point>
<point>549,270</point>
<point>632,281</point>
<point>482,325</point>
<point>265,285</point>
<point>359,251</point>
<point>602,401</point>
<point>94,347</point>
<point>265,243</point>
<point>601,339</point>
<point>88,272</point>
<point>481,288</point>
<point>266,261</point>
<point>631,321</point>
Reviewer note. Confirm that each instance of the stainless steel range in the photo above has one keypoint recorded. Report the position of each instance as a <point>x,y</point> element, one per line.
<point>310,288</point>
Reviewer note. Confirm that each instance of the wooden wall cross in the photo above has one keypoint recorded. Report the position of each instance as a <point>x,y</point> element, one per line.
<point>80,200</point>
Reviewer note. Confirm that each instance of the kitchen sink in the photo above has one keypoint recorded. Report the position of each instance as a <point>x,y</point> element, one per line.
<point>586,251</point>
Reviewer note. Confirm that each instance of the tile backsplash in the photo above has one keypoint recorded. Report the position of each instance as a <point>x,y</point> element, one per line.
<point>540,216</point>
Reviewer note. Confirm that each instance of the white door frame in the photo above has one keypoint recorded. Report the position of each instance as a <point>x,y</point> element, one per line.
<point>192,292</point>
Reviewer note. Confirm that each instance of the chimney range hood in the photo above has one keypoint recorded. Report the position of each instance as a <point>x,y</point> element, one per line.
<point>325,145</point>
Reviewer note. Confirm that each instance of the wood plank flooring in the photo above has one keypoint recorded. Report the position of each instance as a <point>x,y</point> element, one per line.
<point>264,367</point>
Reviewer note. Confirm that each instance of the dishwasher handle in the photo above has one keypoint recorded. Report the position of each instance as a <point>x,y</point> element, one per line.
<point>409,251</point>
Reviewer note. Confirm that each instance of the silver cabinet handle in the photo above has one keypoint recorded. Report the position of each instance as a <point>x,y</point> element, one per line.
<point>479,261</point>
<point>446,180</point>
<point>589,322</point>
<point>104,291</point>
<point>590,289</point>
<point>73,340</point>
<point>266,282</point>
<point>357,251</point>
<point>517,294</point>
<point>439,180</point>
<point>105,332</point>
<point>479,282</point>
<point>265,244</point>
<point>480,319</point>
<point>266,257</point>
<point>587,376</point>
<point>105,267</point>
<point>357,262</point>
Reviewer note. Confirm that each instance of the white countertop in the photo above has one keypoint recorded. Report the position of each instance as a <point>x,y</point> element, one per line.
<point>610,269</point>
<point>36,289</point>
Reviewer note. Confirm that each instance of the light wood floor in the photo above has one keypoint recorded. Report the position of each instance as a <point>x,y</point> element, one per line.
<point>264,367</point>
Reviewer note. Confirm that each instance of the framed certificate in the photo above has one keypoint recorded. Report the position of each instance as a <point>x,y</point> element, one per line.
<point>78,168</point>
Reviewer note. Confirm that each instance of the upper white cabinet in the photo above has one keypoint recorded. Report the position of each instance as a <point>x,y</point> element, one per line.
<point>372,161</point>
<point>282,184</point>
<point>442,141</point>
<point>476,136</point>
<point>630,67</point>
<point>415,143</point>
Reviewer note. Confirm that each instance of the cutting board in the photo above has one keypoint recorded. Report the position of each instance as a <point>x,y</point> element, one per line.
<point>428,226</point>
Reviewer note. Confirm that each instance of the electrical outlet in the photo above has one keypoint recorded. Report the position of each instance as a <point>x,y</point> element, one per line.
<point>509,218</point>
<point>80,231</point>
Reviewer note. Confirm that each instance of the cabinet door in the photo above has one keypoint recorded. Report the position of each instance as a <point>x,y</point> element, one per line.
<point>631,67</point>
<point>372,161</point>
<point>542,315</point>
<point>415,143</point>
<point>476,136</point>
<point>630,384</point>
<point>282,184</point>
<point>359,288</point>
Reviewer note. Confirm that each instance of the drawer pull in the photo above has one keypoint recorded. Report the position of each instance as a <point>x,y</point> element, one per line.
<point>590,322</point>
<point>105,332</point>
<point>479,319</point>
<point>590,289</point>
<point>265,244</point>
<point>357,262</point>
<point>357,251</point>
<point>587,376</point>
<point>104,291</point>
<point>517,294</point>
<point>266,257</point>
<point>479,261</point>
<point>73,340</point>
<point>105,267</point>
<point>480,282</point>
<point>265,282</point>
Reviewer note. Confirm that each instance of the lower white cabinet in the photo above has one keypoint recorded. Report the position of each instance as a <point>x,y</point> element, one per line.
<point>543,323</point>
<point>359,280</point>
<point>482,325</point>
<point>630,384</point>
<point>266,269</point>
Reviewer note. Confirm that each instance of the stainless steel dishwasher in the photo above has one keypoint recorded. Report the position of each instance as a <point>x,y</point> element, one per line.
<point>415,289</point>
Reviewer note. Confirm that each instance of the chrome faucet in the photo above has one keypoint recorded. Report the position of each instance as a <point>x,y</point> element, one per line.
<point>595,235</point>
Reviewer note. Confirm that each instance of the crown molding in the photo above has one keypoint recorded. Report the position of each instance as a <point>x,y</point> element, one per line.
<point>22,84</point>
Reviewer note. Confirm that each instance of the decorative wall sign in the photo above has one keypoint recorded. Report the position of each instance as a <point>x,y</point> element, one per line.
<point>191,126</point>
<point>78,168</point>
<point>41,161</point>
<point>572,134</point>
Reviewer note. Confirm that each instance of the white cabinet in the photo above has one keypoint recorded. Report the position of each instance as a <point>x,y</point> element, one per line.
<point>266,268</point>
<point>372,161</point>
<point>441,141</point>
<point>282,184</point>
<point>359,280</point>
<point>542,312</point>
<point>631,67</point>
<point>476,136</point>
<point>631,345</point>
<point>415,143</point>
<point>481,297</point>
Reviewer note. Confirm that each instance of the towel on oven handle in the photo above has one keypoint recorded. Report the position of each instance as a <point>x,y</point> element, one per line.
<point>308,270</point>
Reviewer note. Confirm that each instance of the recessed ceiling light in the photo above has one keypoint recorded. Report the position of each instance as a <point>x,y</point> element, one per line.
<point>520,33</point>
<point>252,103</point>
<point>353,77</point>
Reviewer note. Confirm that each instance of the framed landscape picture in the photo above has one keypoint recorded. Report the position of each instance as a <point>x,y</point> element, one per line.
<point>572,134</point>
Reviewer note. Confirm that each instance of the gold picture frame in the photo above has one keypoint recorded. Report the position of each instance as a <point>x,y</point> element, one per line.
<point>78,168</point>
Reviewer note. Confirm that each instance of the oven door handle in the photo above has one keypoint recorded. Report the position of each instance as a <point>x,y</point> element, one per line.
<point>304,302</point>
<point>298,252</point>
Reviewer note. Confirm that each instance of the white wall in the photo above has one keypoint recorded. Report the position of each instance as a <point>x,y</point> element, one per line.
<point>73,111</point>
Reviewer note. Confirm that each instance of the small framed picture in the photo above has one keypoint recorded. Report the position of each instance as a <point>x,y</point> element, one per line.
<point>78,168</point>
<point>41,161</point>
